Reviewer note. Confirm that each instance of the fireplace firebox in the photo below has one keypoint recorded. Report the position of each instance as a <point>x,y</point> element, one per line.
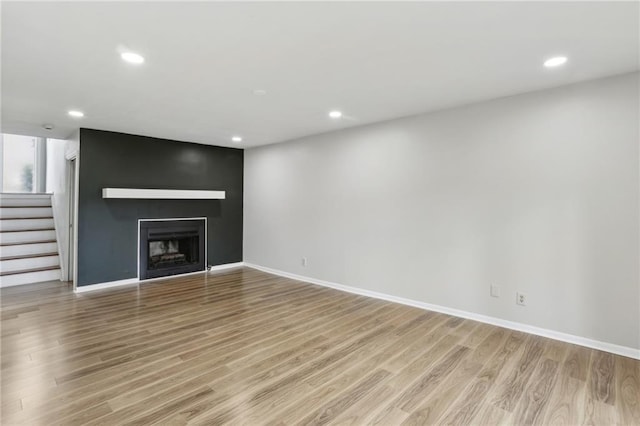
<point>171,247</point>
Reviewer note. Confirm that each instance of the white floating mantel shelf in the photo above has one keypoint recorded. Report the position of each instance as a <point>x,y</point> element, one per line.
<point>162,194</point>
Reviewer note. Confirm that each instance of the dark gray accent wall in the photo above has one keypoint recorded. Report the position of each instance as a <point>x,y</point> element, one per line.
<point>108,228</point>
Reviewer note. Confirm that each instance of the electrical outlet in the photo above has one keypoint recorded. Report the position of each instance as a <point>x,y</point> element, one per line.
<point>495,290</point>
<point>304,261</point>
<point>521,299</point>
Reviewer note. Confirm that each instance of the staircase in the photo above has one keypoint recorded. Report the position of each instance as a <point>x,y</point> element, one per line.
<point>28,247</point>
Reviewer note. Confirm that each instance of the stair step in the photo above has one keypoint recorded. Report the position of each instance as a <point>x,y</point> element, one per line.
<point>29,206</point>
<point>20,237</point>
<point>25,204</point>
<point>27,230</point>
<point>30,277</point>
<point>25,212</point>
<point>25,218</point>
<point>28,247</point>
<point>26,271</point>
<point>33,248</point>
<point>26,243</point>
<point>11,266</point>
<point>28,256</point>
<point>8,225</point>
<point>25,200</point>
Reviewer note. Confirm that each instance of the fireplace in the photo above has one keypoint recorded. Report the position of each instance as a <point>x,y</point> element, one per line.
<point>171,247</point>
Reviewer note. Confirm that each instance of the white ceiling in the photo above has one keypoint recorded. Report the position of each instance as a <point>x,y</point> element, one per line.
<point>373,61</point>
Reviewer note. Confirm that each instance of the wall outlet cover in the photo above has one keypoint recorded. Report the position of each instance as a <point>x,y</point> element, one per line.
<point>521,299</point>
<point>495,291</point>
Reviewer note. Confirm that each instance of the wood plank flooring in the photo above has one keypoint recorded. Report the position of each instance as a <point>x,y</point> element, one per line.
<point>243,347</point>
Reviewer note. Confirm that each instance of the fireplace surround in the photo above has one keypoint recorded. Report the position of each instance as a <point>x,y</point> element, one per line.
<point>171,247</point>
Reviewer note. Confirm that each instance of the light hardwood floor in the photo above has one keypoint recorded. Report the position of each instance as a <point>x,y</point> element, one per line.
<point>245,347</point>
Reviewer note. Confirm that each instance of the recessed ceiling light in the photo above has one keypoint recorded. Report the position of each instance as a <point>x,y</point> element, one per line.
<point>132,58</point>
<point>335,114</point>
<point>259,92</point>
<point>236,139</point>
<point>76,114</point>
<point>555,61</point>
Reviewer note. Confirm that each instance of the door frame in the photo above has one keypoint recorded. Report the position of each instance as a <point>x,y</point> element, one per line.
<point>73,185</point>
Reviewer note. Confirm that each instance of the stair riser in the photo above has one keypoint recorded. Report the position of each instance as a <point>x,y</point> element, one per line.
<point>21,250</point>
<point>25,224</point>
<point>27,236</point>
<point>30,263</point>
<point>29,278</point>
<point>6,201</point>
<point>26,212</point>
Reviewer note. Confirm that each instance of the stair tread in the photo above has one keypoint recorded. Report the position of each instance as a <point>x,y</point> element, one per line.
<point>28,242</point>
<point>26,218</point>
<point>30,230</point>
<point>25,194</point>
<point>26,271</point>
<point>28,256</point>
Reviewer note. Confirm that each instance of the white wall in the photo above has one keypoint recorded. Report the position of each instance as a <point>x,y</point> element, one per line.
<point>537,193</point>
<point>56,183</point>
<point>58,154</point>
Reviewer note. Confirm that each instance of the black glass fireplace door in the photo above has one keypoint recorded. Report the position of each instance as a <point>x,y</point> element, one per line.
<point>171,247</point>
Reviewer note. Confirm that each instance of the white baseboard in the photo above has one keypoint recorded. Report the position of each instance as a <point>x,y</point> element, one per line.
<point>131,281</point>
<point>108,284</point>
<point>226,266</point>
<point>551,334</point>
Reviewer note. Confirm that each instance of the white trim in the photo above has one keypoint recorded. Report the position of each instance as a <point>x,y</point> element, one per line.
<point>136,281</point>
<point>226,266</point>
<point>110,284</point>
<point>76,215</point>
<point>551,334</point>
<point>163,194</point>
<point>71,154</point>
<point>55,212</point>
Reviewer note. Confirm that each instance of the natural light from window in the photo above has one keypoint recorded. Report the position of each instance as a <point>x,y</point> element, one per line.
<point>18,163</point>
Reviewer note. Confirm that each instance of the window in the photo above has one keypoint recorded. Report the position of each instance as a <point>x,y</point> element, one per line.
<point>22,163</point>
